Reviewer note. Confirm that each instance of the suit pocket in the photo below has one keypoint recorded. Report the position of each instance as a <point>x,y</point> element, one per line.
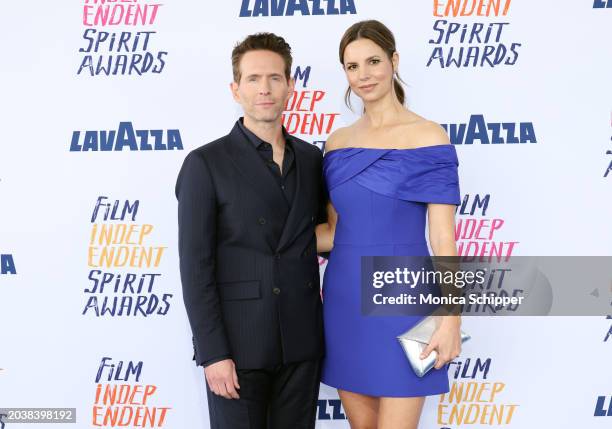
<point>240,290</point>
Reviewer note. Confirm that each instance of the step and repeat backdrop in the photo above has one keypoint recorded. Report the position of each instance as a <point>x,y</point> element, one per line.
<point>102,100</point>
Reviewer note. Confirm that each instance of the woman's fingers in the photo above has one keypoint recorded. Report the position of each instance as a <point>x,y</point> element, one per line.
<point>445,357</point>
<point>430,347</point>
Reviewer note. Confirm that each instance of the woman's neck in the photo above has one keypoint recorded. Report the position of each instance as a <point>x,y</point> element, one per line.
<point>383,112</point>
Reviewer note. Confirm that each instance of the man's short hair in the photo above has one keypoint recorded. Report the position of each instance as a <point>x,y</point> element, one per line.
<point>261,41</point>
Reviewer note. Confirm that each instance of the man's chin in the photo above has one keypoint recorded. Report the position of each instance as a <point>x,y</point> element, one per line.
<point>267,117</point>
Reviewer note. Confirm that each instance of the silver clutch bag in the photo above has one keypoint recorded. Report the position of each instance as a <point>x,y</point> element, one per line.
<point>415,340</point>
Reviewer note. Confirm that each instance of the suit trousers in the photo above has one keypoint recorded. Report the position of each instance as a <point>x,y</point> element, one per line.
<point>283,397</point>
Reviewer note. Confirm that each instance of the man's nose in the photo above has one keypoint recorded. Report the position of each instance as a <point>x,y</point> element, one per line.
<point>264,89</point>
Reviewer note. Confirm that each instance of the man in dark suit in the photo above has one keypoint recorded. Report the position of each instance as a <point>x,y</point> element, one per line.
<point>248,206</point>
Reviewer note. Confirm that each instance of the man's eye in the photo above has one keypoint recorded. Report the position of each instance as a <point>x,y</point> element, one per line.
<point>375,61</point>
<point>351,67</point>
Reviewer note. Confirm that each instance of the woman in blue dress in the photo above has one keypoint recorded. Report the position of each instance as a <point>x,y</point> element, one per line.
<point>388,175</point>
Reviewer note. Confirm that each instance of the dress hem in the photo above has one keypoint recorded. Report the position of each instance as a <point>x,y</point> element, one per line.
<point>433,392</point>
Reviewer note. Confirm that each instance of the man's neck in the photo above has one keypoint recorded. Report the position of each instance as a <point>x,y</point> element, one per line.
<point>270,132</point>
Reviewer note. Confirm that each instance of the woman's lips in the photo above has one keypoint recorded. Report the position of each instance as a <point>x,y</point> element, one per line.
<point>367,87</point>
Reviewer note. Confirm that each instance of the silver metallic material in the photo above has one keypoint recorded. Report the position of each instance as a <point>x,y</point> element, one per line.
<point>416,339</point>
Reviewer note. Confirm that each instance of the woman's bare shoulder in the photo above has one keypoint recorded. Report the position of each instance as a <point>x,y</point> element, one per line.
<point>338,139</point>
<point>427,133</point>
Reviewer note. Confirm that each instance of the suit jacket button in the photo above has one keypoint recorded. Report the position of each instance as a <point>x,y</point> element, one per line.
<point>311,218</point>
<point>277,256</point>
<point>309,284</point>
<point>261,221</point>
<point>276,291</point>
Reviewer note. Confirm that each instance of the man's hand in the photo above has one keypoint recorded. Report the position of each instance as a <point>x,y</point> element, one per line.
<point>222,379</point>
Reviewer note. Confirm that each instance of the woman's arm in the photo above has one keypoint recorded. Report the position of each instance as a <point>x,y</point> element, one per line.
<point>325,231</point>
<point>446,340</point>
<point>442,229</point>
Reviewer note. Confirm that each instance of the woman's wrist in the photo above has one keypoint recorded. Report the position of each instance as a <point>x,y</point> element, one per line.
<point>451,321</point>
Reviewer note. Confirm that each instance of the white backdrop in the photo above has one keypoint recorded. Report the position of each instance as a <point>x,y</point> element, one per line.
<point>549,193</point>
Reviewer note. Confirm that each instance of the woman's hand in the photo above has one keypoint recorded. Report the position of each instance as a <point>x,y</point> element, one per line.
<point>446,340</point>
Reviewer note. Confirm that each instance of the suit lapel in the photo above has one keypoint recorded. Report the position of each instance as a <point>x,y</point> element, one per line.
<point>257,175</point>
<point>296,213</point>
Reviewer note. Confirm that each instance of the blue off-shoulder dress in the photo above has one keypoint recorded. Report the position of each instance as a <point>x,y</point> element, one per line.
<point>381,197</point>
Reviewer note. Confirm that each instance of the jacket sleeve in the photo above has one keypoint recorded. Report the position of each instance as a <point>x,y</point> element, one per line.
<point>323,196</point>
<point>197,245</point>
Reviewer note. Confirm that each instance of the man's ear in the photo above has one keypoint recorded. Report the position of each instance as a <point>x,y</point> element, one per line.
<point>291,87</point>
<point>234,89</point>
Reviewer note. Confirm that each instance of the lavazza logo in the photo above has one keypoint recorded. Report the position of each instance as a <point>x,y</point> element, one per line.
<point>7,264</point>
<point>125,137</point>
<point>478,130</point>
<point>602,4</point>
<point>254,8</point>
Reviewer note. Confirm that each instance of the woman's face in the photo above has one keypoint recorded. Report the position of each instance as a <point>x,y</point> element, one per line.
<point>368,69</point>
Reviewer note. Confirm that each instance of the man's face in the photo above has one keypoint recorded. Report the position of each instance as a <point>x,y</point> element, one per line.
<point>263,89</point>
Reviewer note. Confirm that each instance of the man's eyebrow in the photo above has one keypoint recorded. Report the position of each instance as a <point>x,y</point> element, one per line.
<point>260,75</point>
